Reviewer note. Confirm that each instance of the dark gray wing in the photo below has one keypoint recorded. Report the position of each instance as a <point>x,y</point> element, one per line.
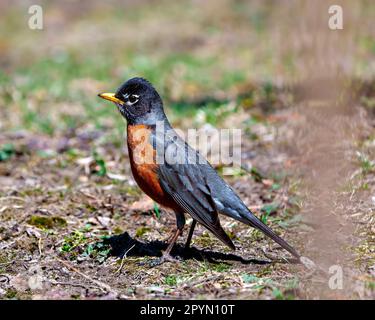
<point>187,186</point>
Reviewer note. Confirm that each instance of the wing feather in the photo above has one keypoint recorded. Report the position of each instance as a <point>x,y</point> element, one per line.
<point>187,186</point>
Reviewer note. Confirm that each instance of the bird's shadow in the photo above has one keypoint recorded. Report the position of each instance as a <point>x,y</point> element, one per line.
<point>124,244</point>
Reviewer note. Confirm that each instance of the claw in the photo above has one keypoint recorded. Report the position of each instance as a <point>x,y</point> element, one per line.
<point>164,258</point>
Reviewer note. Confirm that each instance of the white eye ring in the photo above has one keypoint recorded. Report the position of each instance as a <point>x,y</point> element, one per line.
<point>128,102</point>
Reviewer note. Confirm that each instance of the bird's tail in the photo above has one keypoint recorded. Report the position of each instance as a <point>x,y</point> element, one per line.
<point>254,222</point>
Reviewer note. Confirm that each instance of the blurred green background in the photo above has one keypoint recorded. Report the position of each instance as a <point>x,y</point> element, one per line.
<point>198,54</point>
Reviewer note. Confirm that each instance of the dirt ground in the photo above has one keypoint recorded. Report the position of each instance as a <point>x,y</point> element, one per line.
<point>73,223</point>
<point>68,233</point>
<point>55,214</point>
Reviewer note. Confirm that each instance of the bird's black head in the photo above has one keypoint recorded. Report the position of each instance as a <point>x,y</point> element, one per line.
<point>138,102</point>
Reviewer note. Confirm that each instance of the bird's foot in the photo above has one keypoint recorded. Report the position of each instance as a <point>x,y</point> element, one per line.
<point>164,258</point>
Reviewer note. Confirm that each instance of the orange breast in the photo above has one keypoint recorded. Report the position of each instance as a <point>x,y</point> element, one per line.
<point>143,164</point>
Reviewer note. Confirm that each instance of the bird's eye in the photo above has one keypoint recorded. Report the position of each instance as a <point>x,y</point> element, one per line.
<point>133,98</point>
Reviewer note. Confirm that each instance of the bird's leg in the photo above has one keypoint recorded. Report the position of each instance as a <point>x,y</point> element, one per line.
<point>167,253</point>
<point>190,235</point>
<point>180,220</point>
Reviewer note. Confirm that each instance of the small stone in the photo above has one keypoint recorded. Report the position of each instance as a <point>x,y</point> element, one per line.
<point>309,264</point>
<point>104,221</point>
<point>35,282</point>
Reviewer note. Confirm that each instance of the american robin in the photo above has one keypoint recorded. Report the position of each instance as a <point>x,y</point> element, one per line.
<point>172,173</point>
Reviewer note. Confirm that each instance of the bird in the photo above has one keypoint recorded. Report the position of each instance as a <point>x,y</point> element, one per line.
<point>174,174</point>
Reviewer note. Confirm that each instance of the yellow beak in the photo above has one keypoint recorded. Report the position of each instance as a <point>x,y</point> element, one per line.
<point>110,97</point>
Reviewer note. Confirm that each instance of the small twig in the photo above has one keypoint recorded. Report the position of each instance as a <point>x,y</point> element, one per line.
<point>6,263</point>
<point>40,246</point>
<point>201,281</point>
<point>100,284</point>
<point>351,195</point>
<point>3,209</point>
<point>88,195</point>
<point>123,259</point>
<point>6,245</point>
<point>12,198</point>
<point>61,283</point>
